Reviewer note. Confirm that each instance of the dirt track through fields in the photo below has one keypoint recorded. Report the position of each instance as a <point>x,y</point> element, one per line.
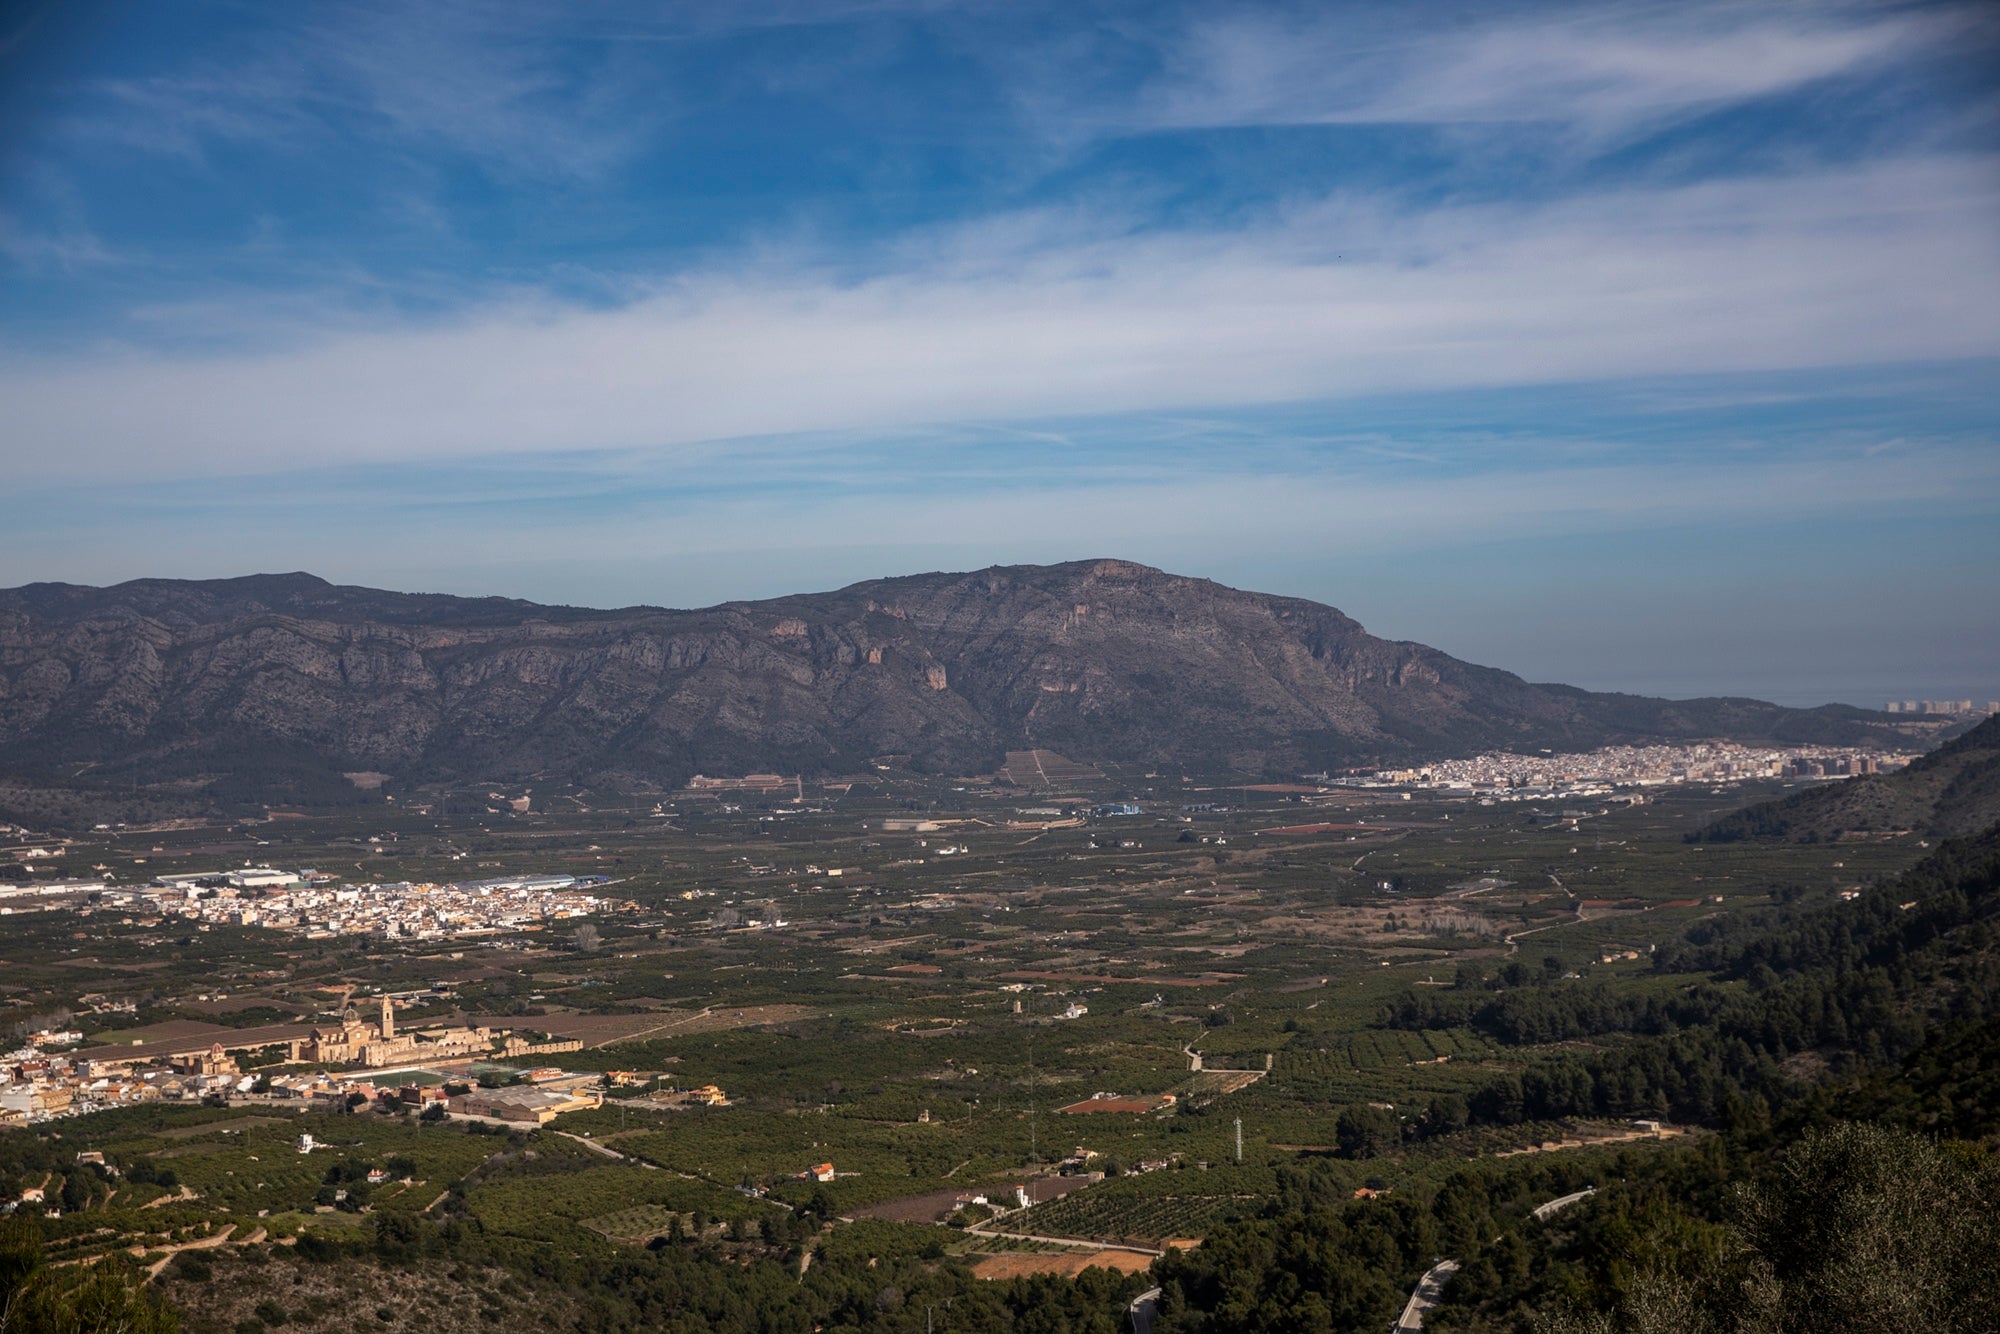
<point>226,1237</point>
<point>607,1030</point>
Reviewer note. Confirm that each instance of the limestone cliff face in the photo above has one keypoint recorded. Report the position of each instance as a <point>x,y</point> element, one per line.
<point>1100,660</point>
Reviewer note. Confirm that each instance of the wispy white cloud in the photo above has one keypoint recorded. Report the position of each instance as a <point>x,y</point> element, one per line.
<point>501,85</point>
<point>1884,263</point>
<point>43,250</point>
<point>495,82</point>
<point>45,229</point>
<point>185,115</point>
<point>1596,67</point>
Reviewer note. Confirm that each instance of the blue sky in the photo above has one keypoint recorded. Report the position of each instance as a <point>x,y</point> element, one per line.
<point>1645,346</point>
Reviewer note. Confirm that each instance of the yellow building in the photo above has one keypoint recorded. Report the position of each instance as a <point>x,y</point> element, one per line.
<point>354,1042</point>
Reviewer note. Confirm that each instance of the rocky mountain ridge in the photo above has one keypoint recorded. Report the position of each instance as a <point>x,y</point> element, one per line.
<point>287,679</point>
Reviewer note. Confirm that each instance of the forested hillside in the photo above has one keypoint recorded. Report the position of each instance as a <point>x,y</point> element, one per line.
<point>1824,1047</point>
<point>1950,792</point>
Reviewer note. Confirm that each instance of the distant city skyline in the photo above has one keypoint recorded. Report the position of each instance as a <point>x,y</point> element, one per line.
<point>1638,347</point>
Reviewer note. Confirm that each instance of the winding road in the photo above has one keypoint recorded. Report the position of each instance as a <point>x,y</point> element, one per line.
<point>1431,1285</point>
<point>1425,1296</point>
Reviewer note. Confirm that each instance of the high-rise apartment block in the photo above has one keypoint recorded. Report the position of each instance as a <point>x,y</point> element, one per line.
<point>1961,708</point>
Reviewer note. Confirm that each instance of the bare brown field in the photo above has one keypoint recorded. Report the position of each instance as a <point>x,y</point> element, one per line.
<point>173,1030</point>
<point>1102,979</point>
<point>1128,1106</point>
<point>1588,1141</point>
<point>931,1207</point>
<point>1301,829</point>
<point>1067,1265</point>
<point>198,1037</point>
<point>1222,1081</point>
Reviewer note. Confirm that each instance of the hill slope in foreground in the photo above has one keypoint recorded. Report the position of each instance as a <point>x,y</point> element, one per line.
<point>297,680</point>
<point>1951,792</point>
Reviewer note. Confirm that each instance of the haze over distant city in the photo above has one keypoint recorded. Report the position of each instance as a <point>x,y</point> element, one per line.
<point>1643,347</point>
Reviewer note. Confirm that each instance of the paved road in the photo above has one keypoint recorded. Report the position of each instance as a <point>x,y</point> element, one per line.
<point>1558,1205</point>
<point>1514,940</point>
<point>1144,1308</point>
<point>608,1151</point>
<point>1425,1296</point>
<point>1428,1288</point>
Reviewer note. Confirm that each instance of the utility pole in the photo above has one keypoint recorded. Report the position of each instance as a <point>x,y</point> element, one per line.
<point>1239,1139</point>
<point>1034,1152</point>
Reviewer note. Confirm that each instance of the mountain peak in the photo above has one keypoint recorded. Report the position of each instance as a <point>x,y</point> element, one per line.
<point>1104,660</point>
<point>1112,568</point>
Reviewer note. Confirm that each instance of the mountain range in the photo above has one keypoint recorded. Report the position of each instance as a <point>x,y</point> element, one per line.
<point>278,684</point>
